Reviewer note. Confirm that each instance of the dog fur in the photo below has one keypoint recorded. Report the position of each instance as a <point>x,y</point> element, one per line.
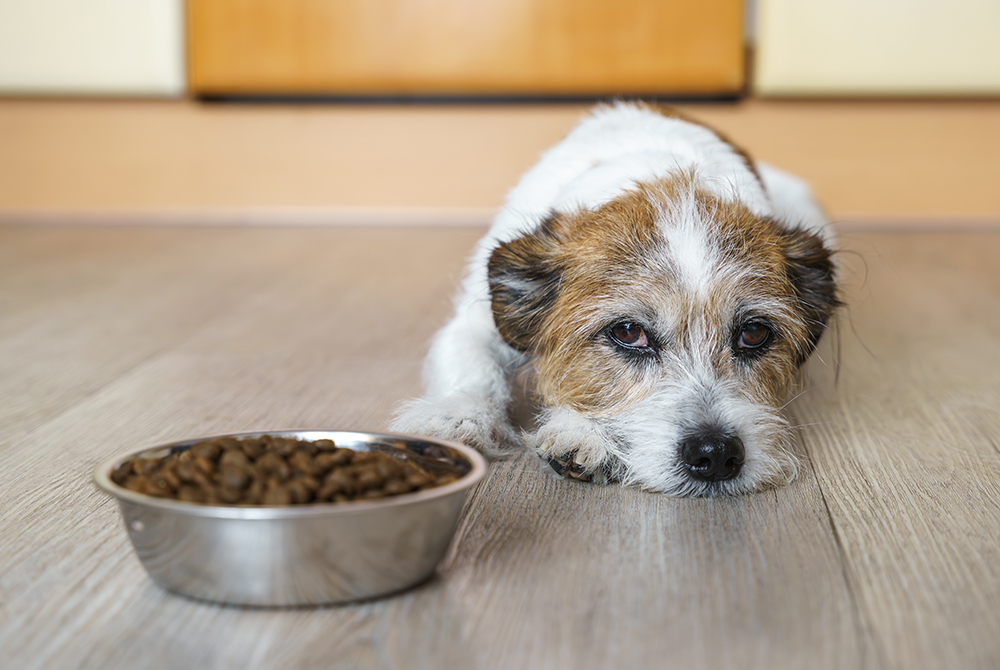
<point>663,290</point>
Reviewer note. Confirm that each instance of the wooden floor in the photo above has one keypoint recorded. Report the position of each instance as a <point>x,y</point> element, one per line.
<point>885,553</point>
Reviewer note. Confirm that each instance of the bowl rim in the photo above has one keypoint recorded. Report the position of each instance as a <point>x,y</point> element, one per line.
<point>480,466</point>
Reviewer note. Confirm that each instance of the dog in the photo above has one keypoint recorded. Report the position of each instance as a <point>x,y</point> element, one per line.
<point>663,289</point>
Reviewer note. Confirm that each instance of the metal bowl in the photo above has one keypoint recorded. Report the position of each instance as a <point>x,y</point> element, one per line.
<point>299,554</point>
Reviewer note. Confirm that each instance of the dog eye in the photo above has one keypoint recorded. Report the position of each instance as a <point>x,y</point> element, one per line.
<point>753,336</point>
<point>629,335</point>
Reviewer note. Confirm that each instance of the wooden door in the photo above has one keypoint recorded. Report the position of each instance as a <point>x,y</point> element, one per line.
<point>466,47</point>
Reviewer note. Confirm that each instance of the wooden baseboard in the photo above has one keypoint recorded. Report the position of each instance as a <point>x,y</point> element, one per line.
<point>398,217</point>
<point>922,164</point>
<point>466,217</point>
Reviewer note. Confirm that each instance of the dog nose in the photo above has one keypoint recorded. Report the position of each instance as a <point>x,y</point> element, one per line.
<point>712,456</point>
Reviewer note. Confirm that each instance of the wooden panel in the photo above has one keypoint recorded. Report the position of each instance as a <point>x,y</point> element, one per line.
<point>463,47</point>
<point>898,164</point>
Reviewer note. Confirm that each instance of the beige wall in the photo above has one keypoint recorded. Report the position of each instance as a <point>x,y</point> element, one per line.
<point>880,47</point>
<point>892,163</point>
<point>118,47</point>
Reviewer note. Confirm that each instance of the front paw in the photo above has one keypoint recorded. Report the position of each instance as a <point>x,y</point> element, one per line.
<point>566,467</point>
<point>575,447</point>
<point>475,422</point>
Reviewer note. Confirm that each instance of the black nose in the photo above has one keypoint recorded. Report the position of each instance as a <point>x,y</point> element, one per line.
<point>712,455</point>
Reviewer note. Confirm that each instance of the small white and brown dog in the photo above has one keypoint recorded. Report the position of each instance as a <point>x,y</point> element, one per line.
<point>663,289</point>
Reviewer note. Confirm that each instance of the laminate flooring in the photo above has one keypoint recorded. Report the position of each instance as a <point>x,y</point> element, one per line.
<point>884,553</point>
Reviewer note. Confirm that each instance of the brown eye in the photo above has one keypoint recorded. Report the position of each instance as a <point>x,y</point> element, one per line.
<point>754,336</point>
<point>629,335</point>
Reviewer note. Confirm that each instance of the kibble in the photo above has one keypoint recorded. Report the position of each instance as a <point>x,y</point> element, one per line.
<point>272,470</point>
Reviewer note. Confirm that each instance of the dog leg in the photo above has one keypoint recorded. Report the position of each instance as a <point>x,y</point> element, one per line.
<point>576,447</point>
<point>467,374</point>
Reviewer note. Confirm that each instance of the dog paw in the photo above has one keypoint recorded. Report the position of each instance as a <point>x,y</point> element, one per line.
<point>479,424</point>
<point>566,467</point>
<point>575,447</point>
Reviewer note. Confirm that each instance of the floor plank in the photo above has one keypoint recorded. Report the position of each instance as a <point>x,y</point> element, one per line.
<point>905,446</point>
<point>883,554</point>
<point>80,309</point>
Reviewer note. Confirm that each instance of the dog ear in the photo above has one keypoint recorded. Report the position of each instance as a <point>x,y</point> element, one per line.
<point>813,278</point>
<point>524,280</point>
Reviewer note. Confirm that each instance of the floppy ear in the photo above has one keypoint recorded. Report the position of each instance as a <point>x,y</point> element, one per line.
<point>813,278</point>
<point>524,283</point>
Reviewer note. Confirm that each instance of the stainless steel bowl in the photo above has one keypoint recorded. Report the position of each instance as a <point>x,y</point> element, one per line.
<point>302,554</point>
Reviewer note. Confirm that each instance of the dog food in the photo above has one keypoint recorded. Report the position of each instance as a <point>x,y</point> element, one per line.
<point>272,470</point>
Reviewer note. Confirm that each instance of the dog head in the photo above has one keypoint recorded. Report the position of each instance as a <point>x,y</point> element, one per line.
<point>677,322</point>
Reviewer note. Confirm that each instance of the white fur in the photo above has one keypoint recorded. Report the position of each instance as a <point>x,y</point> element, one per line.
<point>469,367</point>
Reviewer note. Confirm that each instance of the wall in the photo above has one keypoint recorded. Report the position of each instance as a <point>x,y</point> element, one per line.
<point>92,47</point>
<point>877,47</point>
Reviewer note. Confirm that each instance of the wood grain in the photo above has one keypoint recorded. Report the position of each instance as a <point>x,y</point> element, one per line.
<point>883,554</point>
<point>910,463</point>
<point>451,47</point>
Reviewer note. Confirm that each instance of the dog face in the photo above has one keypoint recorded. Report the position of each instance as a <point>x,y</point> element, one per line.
<point>677,323</point>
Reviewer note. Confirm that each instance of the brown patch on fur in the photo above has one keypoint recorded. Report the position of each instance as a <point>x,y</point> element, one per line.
<point>557,291</point>
<point>524,282</point>
<point>812,275</point>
